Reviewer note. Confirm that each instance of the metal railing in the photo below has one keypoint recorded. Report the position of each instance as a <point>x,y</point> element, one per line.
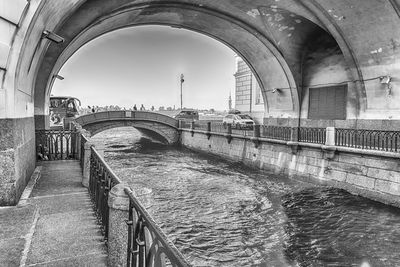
<point>201,125</point>
<point>147,245</point>
<point>185,124</point>
<point>219,127</point>
<point>56,144</point>
<point>312,135</point>
<point>368,139</point>
<point>276,132</point>
<point>101,180</point>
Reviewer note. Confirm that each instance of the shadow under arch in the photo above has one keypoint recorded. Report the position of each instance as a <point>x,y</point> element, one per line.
<point>152,133</point>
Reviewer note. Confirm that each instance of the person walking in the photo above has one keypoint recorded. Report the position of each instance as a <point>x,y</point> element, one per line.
<point>142,107</point>
<point>134,107</point>
<point>152,108</point>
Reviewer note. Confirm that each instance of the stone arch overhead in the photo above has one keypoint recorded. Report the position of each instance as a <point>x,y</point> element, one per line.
<point>254,47</point>
<point>330,25</point>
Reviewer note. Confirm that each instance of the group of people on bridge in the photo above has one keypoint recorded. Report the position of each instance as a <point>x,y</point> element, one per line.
<point>142,108</point>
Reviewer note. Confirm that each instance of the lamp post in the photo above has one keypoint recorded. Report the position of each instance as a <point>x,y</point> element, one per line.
<point>182,80</point>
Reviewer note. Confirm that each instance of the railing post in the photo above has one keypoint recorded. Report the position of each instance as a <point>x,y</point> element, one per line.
<point>118,202</point>
<point>86,164</point>
<point>330,136</point>
<point>294,134</point>
<point>257,132</point>
<point>179,124</point>
<point>208,129</point>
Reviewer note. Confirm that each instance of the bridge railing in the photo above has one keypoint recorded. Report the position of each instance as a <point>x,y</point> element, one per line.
<point>312,135</point>
<point>101,180</point>
<point>56,144</point>
<point>144,242</point>
<point>276,132</point>
<point>368,139</point>
<point>388,141</point>
<point>147,244</point>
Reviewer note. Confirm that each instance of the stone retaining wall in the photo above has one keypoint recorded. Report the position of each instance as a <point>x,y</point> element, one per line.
<point>372,174</point>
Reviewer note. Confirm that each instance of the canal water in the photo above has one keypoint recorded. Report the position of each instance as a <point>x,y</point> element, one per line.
<point>220,213</point>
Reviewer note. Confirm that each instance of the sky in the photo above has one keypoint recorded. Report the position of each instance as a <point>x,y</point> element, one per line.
<point>143,64</point>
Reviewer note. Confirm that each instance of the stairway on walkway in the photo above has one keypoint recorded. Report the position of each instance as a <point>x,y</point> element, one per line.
<point>57,226</point>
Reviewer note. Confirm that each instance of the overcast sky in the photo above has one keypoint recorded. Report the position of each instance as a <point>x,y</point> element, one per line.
<point>142,65</point>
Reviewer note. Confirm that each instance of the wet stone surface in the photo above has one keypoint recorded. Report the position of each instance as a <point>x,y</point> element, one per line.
<point>221,213</point>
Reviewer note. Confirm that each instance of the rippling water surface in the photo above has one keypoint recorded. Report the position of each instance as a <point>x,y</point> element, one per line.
<point>220,213</point>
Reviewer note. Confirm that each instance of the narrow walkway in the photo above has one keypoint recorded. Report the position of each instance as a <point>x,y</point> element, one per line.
<point>57,225</point>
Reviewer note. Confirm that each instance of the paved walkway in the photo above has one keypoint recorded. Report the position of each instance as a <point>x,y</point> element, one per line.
<point>55,226</point>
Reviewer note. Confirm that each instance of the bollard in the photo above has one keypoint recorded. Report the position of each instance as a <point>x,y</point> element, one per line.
<point>118,202</point>
<point>86,164</point>
<point>330,136</point>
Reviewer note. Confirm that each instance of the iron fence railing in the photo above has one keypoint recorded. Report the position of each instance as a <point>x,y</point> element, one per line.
<point>368,139</point>
<point>312,135</point>
<point>219,127</point>
<point>201,125</point>
<point>101,180</point>
<point>277,132</point>
<point>243,132</point>
<point>56,144</point>
<point>147,245</point>
<point>185,124</point>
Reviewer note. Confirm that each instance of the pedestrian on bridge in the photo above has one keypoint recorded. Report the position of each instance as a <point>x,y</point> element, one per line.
<point>142,107</point>
<point>134,107</point>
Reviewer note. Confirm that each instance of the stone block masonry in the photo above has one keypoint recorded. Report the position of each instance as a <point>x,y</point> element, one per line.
<point>17,157</point>
<point>371,174</point>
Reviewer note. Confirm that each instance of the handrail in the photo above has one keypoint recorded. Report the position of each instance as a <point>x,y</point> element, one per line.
<point>101,180</point>
<point>143,249</point>
<point>147,244</point>
<point>106,166</point>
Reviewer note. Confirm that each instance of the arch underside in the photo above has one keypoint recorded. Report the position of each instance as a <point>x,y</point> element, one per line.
<point>271,37</point>
<point>261,50</point>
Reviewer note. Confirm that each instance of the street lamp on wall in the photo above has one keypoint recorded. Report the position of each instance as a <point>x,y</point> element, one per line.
<point>387,81</point>
<point>52,36</point>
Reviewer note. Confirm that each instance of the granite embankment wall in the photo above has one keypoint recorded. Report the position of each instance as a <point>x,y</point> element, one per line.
<point>372,174</point>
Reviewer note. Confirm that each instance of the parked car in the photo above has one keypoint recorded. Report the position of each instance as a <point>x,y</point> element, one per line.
<point>239,121</point>
<point>187,115</point>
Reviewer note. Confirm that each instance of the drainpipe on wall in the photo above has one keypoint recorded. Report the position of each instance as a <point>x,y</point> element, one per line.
<point>251,92</point>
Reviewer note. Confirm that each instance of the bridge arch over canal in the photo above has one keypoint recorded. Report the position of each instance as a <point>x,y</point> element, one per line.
<point>164,127</point>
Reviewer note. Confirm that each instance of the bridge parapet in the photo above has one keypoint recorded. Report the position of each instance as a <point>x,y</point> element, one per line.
<point>127,115</point>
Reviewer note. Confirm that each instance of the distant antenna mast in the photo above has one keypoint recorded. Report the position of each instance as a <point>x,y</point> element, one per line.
<point>182,80</point>
<point>230,101</point>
